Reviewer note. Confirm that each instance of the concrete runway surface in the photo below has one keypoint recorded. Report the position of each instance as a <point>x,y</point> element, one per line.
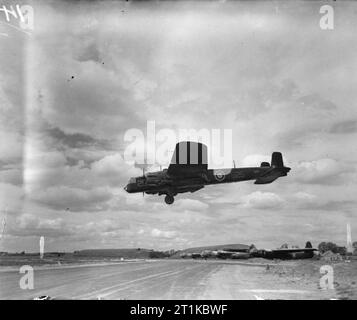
<point>159,279</point>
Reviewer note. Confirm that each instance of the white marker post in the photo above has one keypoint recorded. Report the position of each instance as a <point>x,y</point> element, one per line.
<point>349,240</point>
<point>42,246</point>
<point>3,228</point>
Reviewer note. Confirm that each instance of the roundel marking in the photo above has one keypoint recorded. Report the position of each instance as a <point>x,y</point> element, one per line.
<point>219,176</point>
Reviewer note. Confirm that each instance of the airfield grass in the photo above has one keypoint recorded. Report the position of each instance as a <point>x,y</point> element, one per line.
<point>35,260</point>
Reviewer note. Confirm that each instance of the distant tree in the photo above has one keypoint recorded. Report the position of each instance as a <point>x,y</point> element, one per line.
<point>354,245</point>
<point>169,253</point>
<point>157,254</point>
<point>342,250</point>
<point>328,246</point>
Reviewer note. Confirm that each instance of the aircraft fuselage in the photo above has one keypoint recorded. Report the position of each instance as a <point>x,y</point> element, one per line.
<point>162,183</point>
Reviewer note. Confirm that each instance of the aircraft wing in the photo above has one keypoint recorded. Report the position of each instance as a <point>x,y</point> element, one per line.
<point>189,159</point>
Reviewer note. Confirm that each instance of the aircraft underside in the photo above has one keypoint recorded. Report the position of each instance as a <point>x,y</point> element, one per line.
<point>170,191</point>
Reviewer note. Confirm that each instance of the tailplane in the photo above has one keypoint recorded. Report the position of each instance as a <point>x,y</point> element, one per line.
<point>277,169</point>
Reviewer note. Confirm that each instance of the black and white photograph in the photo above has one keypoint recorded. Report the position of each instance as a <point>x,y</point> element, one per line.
<point>178,150</point>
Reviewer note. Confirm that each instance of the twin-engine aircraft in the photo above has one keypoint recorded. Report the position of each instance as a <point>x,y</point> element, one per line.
<point>188,172</point>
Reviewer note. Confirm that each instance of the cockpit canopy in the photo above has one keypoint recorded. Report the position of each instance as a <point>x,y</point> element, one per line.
<point>132,180</point>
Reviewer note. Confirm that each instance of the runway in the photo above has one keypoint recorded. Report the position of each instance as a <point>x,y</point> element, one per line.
<point>158,279</point>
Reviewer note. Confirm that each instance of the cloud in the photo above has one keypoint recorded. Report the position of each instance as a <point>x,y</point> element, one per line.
<point>30,225</point>
<point>262,200</point>
<point>86,49</point>
<point>114,169</point>
<point>315,103</point>
<point>62,197</point>
<point>11,198</point>
<point>71,140</point>
<point>103,227</point>
<point>304,200</point>
<point>190,204</point>
<point>305,196</point>
<point>344,127</point>
<point>331,205</point>
<point>254,160</point>
<point>12,176</point>
<point>321,201</point>
<point>264,96</point>
<point>157,233</point>
<point>322,171</point>
<point>44,166</point>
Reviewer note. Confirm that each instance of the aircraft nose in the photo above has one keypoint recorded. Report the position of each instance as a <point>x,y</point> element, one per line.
<point>130,188</point>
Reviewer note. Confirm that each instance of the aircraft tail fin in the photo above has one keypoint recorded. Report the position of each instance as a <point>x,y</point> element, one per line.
<point>277,160</point>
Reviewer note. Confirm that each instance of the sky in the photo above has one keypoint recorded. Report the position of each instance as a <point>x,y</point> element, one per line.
<point>71,88</point>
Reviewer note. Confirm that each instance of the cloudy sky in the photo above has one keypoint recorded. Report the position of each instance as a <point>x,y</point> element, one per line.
<point>88,72</point>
